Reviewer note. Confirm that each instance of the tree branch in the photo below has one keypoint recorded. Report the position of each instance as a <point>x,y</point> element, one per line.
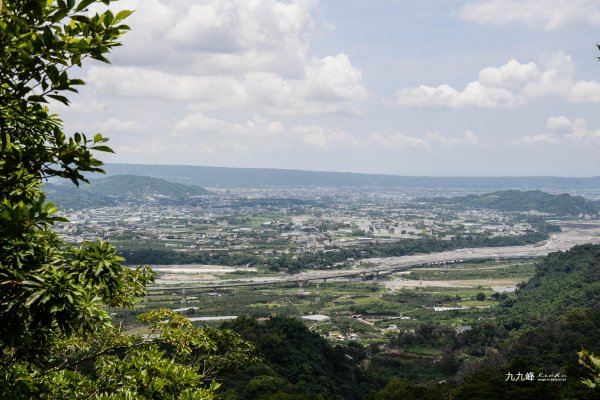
<point>91,356</point>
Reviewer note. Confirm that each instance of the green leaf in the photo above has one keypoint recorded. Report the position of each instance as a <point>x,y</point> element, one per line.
<point>108,18</point>
<point>102,148</point>
<point>83,4</point>
<point>60,98</point>
<point>84,19</point>
<point>121,15</point>
<point>37,99</point>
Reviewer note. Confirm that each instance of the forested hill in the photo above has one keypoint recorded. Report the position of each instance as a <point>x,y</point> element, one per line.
<point>522,201</point>
<point>562,281</point>
<point>116,189</point>
<point>261,177</point>
<point>555,315</point>
<point>135,187</point>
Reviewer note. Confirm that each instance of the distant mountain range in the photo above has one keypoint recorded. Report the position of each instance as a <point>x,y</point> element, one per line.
<point>115,189</point>
<point>221,177</point>
<point>172,184</point>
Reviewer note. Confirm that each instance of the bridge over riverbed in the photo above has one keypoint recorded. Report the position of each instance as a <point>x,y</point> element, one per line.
<point>301,279</point>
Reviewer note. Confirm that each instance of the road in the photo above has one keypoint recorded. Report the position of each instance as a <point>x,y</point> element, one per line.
<point>571,235</point>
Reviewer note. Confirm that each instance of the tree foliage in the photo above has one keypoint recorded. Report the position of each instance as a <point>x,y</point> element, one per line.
<point>56,335</point>
<point>592,365</point>
<point>562,281</point>
<point>49,288</point>
<point>296,364</point>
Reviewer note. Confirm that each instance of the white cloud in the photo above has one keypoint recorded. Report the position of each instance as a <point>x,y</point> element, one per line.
<point>397,140</point>
<point>137,82</point>
<point>573,129</point>
<point>549,15</point>
<point>560,124</point>
<point>328,85</point>
<point>91,106</point>
<point>259,131</point>
<point>509,85</point>
<point>471,137</point>
<point>563,130</point>
<point>334,78</point>
<point>115,125</point>
<point>219,26</point>
<point>225,36</point>
<point>323,138</point>
<point>199,123</point>
<point>429,140</point>
<point>585,92</point>
<point>140,148</point>
<point>473,95</point>
<point>555,78</point>
<point>510,75</point>
<point>535,139</point>
<point>230,55</point>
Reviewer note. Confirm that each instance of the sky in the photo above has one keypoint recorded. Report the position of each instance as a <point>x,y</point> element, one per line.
<point>406,87</point>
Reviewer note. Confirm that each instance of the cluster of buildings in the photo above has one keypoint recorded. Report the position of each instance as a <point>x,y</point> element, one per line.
<point>281,221</point>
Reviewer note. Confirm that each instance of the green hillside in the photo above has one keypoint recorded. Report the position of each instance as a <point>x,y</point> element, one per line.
<point>562,281</point>
<point>554,315</point>
<point>521,201</point>
<point>134,187</point>
<point>72,197</point>
<point>112,190</point>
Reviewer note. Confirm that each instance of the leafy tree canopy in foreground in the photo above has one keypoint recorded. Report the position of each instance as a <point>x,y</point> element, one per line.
<point>56,336</point>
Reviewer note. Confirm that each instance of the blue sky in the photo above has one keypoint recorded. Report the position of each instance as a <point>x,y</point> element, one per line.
<point>475,88</point>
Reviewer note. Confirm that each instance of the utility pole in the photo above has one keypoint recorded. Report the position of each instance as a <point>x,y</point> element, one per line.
<point>183,302</point>
<point>318,298</point>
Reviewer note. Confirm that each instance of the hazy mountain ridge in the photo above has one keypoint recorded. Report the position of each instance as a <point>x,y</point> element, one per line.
<point>67,196</point>
<point>115,189</point>
<point>263,177</point>
<point>136,187</point>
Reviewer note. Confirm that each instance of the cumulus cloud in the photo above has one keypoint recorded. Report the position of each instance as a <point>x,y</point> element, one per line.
<point>323,138</point>
<point>563,130</point>
<point>219,26</point>
<point>258,131</point>
<point>572,129</point>
<point>230,54</point>
<point>585,91</point>
<point>549,15</point>
<point>209,132</point>
<point>199,123</point>
<point>509,85</point>
<point>121,126</point>
<point>535,139</point>
<point>429,140</point>
<point>329,84</point>
<point>560,124</point>
<point>511,75</point>
<point>473,95</point>
<point>229,36</point>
